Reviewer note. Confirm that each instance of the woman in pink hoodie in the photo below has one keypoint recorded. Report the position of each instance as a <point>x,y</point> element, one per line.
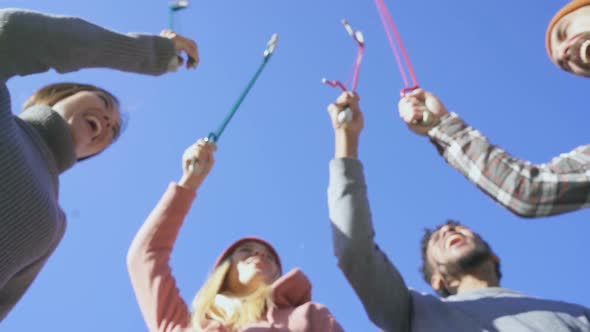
<point>247,290</point>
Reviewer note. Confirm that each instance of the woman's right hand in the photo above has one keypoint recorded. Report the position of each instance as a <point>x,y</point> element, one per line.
<point>185,45</point>
<point>197,162</point>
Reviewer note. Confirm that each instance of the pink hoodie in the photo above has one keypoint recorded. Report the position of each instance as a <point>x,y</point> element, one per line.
<point>159,299</point>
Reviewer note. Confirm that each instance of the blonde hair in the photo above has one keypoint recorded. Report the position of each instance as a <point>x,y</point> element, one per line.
<point>234,312</point>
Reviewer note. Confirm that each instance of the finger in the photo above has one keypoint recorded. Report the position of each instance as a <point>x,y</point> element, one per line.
<point>415,92</point>
<point>353,94</point>
<point>190,47</point>
<point>352,100</point>
<point>412,119</point>
<point>418,94</point>
<point>406,114</point>
<point>410,103</point>
<point>413,102</point>
<point>333,108</point>
<point>211,160</point>
<point>343,99</point>
<point>410,115</point>
<point>212,146</point>
<point>180,60</point>
<point>193,53</point>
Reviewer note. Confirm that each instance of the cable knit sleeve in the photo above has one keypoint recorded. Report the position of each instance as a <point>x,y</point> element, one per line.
<point>32,42</point>
<point>148,262</point>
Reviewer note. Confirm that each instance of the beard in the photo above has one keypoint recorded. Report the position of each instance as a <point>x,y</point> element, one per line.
<point>469,262</point>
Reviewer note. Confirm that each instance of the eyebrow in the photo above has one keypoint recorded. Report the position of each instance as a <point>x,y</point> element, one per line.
<point>560,31</point>
<point>434,236</point>
<point>106,101</point>
<point>252,246</point>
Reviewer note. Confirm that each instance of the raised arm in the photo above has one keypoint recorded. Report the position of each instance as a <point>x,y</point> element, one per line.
<point>526,189</point>
<point>375,280</point>
<point>148,260</point>
<point>32,42</point>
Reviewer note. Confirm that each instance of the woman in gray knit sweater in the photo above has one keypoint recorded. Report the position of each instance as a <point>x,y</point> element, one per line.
<point>61,124</point>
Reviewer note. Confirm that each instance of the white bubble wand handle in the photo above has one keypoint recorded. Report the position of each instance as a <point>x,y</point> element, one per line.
<point>345,116</point>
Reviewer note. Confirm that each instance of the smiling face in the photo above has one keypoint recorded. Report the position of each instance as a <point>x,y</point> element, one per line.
<point>252,264</point>
<point>94,120</point>
<point>450,243</point>
<point>453,251</point>
<point>569,41</point>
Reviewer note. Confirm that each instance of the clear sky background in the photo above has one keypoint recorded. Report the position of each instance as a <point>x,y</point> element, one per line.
<point>485,59</point>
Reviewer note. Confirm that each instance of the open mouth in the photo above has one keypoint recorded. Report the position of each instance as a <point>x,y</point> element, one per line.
<point>576,52</point>
<point>583,52</point>
<point>455,239</point>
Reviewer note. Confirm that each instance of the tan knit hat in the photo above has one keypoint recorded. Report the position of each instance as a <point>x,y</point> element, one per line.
<point>570,7</point>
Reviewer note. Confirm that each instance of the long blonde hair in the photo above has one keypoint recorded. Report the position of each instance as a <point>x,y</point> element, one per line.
<point>234,312</point>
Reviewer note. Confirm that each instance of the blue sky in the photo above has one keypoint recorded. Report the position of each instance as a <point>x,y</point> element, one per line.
<point>486,60</point>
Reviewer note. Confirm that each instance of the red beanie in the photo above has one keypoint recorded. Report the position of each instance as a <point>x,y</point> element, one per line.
<point>230,250</point>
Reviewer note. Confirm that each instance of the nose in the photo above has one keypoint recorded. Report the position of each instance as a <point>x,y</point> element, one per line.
<point>258,252</point>
<point>446,229</point>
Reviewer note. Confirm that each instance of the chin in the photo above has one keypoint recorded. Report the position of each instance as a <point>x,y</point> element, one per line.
<point>583,73</point>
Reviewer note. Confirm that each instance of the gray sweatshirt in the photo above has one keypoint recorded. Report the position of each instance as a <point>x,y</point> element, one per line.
<point>393,307</point>
<point>37,146</point>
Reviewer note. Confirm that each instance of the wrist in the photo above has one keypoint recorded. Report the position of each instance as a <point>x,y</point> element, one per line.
<point>346,145</point>
<point>189,183</point>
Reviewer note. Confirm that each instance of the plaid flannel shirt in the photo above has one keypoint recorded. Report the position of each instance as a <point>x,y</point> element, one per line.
<point>526,189</point>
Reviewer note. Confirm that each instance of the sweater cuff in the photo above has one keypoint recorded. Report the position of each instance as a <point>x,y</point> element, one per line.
<point>442,134</point>
<point>449,125</point>
<point>159,53</point>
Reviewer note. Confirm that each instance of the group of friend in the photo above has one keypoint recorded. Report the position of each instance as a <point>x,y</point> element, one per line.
<point>248,289</point>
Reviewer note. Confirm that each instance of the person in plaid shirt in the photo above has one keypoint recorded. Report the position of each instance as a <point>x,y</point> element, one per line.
<point>526,189</point>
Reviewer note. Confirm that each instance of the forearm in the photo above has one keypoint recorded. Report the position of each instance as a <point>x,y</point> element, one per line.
<point>375,280</point>
<point>346,144</point>
<point>148,262</point>
<point>32,42</point>
<point>161,228</point>
<point>524,188</point>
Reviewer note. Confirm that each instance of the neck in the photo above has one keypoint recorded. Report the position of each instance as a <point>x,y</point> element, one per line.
<point>55,132</point>
<point>470,283</point>
<point>483,276</point>
<point>244,290</point>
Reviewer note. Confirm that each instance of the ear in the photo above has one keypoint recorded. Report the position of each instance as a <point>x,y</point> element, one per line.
<point>495,258</point>
<point>437,282</point>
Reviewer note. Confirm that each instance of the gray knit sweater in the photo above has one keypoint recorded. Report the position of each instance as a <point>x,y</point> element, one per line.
<point>37,146</point>
<point>394,308</point>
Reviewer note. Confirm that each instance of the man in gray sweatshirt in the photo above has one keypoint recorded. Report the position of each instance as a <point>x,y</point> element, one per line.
<point>457,263</point>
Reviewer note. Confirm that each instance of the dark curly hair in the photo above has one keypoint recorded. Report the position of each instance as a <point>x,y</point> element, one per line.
<point>426,268</point>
